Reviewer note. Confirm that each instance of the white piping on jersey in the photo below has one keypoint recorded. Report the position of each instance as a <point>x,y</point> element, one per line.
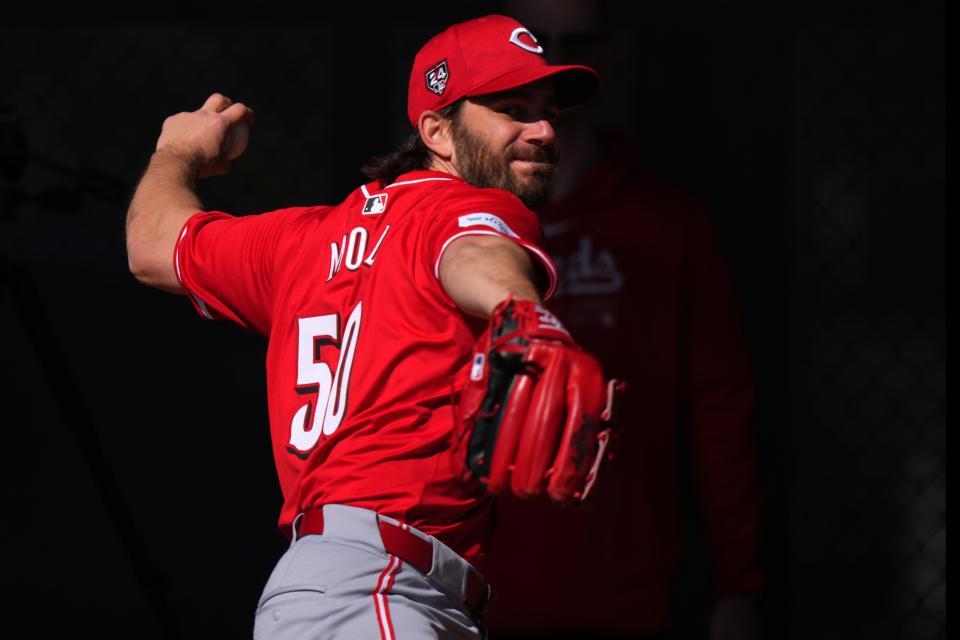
<point>176,255</point>
<point>363,188</point>
<point>176,263</point>
<point>397,184</point>
<point>545,259</point>
<point>529,247</point>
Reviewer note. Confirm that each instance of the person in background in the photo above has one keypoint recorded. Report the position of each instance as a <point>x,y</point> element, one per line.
<point>645,287</point>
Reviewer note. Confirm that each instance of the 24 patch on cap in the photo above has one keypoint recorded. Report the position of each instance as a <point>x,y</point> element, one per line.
<point>437,77</point>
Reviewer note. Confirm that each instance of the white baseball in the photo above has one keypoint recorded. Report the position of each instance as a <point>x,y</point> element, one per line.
<point>236,140</point>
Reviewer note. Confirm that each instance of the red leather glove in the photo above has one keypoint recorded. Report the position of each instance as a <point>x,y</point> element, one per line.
<point>534,412</point>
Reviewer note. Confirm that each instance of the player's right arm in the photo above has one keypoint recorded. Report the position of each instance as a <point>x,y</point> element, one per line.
<point>190,147</point>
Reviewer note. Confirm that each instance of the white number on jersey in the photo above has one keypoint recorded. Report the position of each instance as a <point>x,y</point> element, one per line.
<point>327,413</point>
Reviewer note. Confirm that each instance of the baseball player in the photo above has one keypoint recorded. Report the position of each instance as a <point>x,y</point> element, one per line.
<point>411,372</point>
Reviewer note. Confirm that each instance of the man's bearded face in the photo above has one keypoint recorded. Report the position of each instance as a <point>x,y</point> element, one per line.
<point>483,166</point>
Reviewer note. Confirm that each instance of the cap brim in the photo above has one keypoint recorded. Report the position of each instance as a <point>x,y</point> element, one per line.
<point>575,84</point>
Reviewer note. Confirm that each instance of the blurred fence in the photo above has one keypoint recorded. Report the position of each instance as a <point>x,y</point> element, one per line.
<point>869,365</point>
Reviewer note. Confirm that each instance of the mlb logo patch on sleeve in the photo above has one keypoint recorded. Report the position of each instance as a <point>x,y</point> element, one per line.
<point>375,204</point>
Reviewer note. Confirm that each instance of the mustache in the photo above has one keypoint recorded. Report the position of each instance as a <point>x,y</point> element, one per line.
<point>535,154</point>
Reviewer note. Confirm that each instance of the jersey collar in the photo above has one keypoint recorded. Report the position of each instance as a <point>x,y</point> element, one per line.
<point>427,176</point>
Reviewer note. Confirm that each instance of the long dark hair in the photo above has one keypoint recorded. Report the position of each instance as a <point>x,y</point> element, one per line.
<point>409,155</point>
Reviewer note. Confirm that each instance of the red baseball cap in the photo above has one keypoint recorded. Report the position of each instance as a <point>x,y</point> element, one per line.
<point>486,55</point>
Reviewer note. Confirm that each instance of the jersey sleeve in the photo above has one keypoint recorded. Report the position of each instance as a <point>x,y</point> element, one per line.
<point>225,265</point>
<point>489,212</point>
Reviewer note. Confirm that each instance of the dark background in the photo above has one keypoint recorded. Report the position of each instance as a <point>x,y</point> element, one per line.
<point>140,496</point>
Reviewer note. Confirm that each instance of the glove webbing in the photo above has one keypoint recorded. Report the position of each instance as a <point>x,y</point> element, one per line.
<point>506,365</point>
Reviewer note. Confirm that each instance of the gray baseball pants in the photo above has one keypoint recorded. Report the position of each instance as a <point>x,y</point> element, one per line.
<point>343,584</point>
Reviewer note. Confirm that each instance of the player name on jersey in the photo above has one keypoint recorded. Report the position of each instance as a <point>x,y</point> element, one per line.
<point>350,251</point>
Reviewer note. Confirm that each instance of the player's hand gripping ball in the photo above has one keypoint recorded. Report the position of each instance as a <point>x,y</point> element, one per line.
<point>236,140</point>
<point>534,412</point>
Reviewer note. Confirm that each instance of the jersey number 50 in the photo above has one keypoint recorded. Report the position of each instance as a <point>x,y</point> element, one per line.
<point>314,377</point>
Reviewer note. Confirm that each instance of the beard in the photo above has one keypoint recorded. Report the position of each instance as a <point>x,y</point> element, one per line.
<point>483,167</point>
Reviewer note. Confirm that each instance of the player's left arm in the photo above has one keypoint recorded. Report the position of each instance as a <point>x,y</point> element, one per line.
<point>478,272</point>
<point>533,409</point>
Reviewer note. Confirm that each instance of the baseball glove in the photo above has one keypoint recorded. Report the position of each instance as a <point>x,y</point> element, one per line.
<point>533,412</point>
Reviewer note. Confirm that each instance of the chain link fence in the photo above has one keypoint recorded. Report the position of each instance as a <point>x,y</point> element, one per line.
<point>869,519</point>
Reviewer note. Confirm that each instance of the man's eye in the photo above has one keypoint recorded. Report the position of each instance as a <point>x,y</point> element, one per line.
<point>509,110</point>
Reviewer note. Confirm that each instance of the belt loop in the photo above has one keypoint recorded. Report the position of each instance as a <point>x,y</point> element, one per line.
<point>477,591</point>
<point>293,527</point>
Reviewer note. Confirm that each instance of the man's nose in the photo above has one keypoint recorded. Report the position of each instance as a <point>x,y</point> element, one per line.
<point>540,132</point>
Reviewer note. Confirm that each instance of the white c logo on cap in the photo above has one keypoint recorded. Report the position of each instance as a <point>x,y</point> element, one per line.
<point>515,39</point>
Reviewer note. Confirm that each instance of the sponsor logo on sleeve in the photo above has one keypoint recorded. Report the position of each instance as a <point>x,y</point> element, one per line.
<point>487,220</point>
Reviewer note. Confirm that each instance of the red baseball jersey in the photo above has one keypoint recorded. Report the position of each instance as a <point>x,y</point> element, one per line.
<point>364,341</point>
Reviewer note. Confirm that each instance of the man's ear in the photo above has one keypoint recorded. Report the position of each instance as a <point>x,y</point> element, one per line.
<point>436,133</point>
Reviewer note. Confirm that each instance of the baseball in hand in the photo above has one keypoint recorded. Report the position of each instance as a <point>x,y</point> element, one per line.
<point>236,140</point>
